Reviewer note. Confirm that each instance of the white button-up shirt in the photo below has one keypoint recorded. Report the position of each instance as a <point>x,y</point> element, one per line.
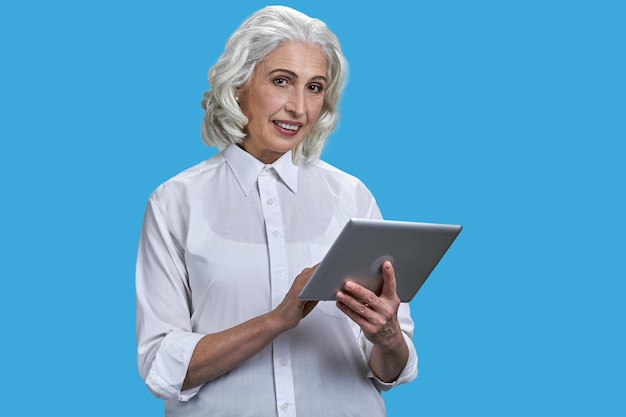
<point>221,243</point>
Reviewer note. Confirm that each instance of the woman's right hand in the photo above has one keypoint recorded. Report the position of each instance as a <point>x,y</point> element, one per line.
<point>291,310</point>
<point>219,352</point>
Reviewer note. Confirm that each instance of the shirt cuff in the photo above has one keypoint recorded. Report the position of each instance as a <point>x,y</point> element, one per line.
<point>408,374</point>
<point>169,368</point>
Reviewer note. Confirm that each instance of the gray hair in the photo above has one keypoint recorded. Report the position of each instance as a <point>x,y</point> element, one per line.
<point>259,35</point>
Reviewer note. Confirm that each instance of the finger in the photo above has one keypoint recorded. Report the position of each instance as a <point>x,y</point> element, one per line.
<point>358,312</point>
<point>362,308</point>
<point>389,281</point>
<point>304,276</point>
<point>360,293</point>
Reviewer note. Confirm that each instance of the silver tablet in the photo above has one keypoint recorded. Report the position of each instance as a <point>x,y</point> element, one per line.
<point>363,245</point>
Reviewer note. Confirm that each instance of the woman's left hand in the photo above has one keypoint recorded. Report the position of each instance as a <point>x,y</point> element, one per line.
<point>378,318</point>
<point>376,315</point>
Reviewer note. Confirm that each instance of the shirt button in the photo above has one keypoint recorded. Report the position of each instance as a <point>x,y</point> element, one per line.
<point>280,270</point>
<point>284,362</point>
<point>284,406</point>
<point>275,233</point>
<point>270,201</point>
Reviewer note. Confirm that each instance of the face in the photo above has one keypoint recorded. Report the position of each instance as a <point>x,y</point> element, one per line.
<point>283,100</point>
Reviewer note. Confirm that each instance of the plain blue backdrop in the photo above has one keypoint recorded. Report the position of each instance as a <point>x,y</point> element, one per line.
<point>505,116</point>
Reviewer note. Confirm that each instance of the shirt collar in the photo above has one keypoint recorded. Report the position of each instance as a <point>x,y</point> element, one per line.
<point>247,168</point>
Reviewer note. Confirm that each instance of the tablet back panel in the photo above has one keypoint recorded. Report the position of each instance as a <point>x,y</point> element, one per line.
<point>357,254</point>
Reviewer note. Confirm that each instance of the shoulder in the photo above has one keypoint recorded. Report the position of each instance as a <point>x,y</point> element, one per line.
<point>335,176</point>
<point>323,168</point>
<point>356,200</point>
<point>189,179</point>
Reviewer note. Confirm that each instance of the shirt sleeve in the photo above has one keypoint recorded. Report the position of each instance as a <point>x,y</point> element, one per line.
<point>366,203</point>
<point>164,337</point>
<point>409,373</point>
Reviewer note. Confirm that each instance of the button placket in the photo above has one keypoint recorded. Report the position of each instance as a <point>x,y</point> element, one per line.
<point>279,285</point>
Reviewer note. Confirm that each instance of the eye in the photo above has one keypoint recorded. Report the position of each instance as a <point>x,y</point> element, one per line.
<point>281,81</point>
<point>316,88</point>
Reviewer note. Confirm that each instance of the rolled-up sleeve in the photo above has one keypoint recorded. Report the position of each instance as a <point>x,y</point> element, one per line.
<point>168,369</point>
<point>165,339</point>
<point>409,373</point>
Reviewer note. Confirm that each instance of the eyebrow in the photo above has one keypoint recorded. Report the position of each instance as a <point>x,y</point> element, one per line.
<point>294,75</point>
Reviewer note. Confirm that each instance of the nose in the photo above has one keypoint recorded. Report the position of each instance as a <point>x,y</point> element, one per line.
<point>296,103</point>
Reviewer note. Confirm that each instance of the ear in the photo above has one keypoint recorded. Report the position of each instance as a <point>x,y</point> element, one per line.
<point>237,93</point>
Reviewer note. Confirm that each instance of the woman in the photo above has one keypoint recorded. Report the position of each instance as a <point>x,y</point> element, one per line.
<point>227,246</point>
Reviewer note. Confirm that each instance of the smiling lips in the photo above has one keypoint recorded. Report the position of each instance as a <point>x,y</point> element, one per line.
<point>291,128</point>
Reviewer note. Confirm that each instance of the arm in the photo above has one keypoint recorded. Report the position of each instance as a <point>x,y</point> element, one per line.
<point>378,319</point>
<point>172,358</point>
<point>216,354</point>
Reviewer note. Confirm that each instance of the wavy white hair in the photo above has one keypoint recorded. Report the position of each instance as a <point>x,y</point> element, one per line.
<point>260,34</point>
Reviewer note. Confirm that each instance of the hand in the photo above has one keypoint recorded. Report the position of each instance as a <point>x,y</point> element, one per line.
<point>377,316</point>
<point>217,353</point>
<point>291,310</point>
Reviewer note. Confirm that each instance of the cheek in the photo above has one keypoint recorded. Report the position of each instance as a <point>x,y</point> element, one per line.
<point>273,103</point>
<point>315,110</point>
<point>259,106</point>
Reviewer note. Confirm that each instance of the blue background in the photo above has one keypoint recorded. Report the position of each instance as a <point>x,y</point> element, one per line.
<point>505,116</point>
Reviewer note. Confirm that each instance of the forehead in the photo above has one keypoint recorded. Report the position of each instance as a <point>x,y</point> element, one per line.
<point>304,60</point>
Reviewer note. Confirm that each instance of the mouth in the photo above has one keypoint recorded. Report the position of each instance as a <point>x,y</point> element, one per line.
<point>287,126</point>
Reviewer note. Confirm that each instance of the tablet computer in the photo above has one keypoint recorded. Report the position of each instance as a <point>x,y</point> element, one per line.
<point>363,245</point>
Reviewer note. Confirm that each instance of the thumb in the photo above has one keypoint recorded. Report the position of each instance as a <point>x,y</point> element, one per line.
<point>308,307</point>
<point>389,281</point>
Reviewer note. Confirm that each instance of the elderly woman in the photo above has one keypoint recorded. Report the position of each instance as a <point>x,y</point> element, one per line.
<point>228,244</point>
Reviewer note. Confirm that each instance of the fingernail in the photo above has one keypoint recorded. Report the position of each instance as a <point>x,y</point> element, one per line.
<point>349,285</point>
